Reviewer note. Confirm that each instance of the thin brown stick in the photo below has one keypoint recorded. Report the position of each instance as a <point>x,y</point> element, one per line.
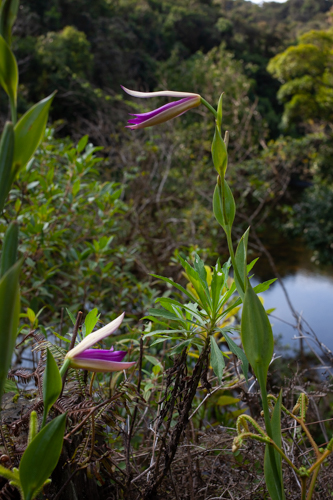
<point>71,345</point>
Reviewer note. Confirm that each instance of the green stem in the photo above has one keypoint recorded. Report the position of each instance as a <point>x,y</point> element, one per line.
<point>319,461</point>
<point>13,110</point>
<point>262,383</point>
<point>313,483</point>
<point>272,443</point>
<point>211,109</point>
<point>64,367</point>
<point>303,481</point>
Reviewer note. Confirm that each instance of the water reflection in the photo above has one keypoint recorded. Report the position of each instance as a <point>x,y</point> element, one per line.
<point>309,286</point>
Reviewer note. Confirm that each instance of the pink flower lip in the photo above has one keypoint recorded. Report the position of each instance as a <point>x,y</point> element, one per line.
<point>99,360</point>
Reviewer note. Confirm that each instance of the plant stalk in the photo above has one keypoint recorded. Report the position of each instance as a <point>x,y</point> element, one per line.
<point>211,109</point>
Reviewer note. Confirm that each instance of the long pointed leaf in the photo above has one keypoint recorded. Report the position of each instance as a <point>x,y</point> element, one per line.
<point>29,132</point>
<point>273,488</point>
<point>41,457</point>
<point>9,318</point>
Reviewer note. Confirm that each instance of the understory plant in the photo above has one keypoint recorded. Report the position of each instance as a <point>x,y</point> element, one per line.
<point>198,322</point>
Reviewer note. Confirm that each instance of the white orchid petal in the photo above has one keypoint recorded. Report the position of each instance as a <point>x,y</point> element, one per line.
<point>160,93</point>
<point>95,337</point>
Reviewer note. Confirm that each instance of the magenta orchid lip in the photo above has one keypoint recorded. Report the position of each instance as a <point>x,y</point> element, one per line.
<point>98,360</point>
<point>164,113</point>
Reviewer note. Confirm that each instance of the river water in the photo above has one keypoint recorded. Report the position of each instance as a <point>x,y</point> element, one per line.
<point>309,287</point>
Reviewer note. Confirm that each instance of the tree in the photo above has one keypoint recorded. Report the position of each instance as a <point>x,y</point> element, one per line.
<point>306,73</point>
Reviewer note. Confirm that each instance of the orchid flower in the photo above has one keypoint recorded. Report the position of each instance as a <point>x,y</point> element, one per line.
<point>97,360</point>
<point>164,113</point>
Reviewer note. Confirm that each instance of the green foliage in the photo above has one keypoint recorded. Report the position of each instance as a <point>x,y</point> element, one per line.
<point>256,334</point>
<point>219,153</point>
<point>9,318</point>
<point>6,160</point>
<point>305,70</point>
<point>8,13</point>
<point>216,359</point>
<point>64,54</point>
<point>29,131</point>
<point>41,457</point>
<point>72,230</point>
<point>52,384</point>
<point>8,71</point>
<point>274,491</point>
<point>9,248</point>
<point>224,207</point>
<point>203,319</point>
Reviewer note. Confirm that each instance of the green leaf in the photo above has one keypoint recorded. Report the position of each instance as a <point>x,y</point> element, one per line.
<point>227,400</point>
<point>199,285</point>
<point>224,211</point>
<point>82,143</point>
<point>91,321</point>
<point>256,332</point>
<point>29,132</point>
<point>31,315</point>
<point>275,490</point>
<point>8,13</point>
<point>239,353</point>
<point>154,361</point>
<point>153,333</point>
<point>41,457</point>
<point>251,265</point>
<point>8,70</point>
<point>219,114</point>
<point>241,264</point>
<point>161,313</point>
<point>262,287</point>
<point>179,287</point>
<point>190,308</point>
<point>6,161</point>
<point>71,316</point>
<point>10,386</point>
<point>52,384</point>
<point>9,318</point>
<point>219,280</point>
<point>60,337</point>
<point>216,359</point>
<point>199,266</point>
<point>9,248</point>
<point>219,153</point>
<point>159,341</point>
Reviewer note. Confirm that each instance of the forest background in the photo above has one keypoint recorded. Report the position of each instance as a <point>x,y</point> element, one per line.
<point>148,192</point>
<point>104,210</point>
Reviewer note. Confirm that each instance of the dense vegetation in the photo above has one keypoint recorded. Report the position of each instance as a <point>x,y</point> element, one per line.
<point>102,211</point>
<point>280,135</point>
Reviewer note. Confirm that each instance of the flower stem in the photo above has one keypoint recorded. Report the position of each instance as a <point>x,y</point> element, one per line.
<point>303,494</point>
<point>211,109</point>
<point>262,382</point>
<point>64,368</point>
<point>313,482</point>
<point>319,461</point>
